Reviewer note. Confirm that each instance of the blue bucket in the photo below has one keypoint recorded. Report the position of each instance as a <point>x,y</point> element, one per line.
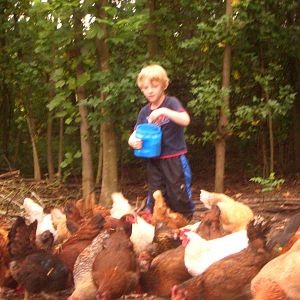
<point>150,135</point>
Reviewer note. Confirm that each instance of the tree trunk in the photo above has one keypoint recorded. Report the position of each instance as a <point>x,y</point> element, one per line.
<point>109,156</point>
<point>100,160</point>
<point>266,169</point>
<point>88,183</point>
<point>50,147</point>
<point>60,147</point>
<point>6,112</point>
<point>110,174</point>
<point>50,163</point>
<point>220,144</point>
<point>296,117</point>
<point>36,164</point>
<point>271,141</point>
<point>17,148</point>
<point>153,42</point>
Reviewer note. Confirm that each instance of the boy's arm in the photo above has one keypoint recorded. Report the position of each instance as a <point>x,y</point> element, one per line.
<point>179,117</point>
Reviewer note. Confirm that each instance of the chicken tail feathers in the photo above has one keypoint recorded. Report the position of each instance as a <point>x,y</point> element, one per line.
<point>258,228</point>
<point>204,198</point>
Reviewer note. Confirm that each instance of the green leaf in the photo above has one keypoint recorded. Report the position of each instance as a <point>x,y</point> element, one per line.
<point>83,79</point>
<point>56,101</point>
<point>60,84</point>
<point>72,83</point>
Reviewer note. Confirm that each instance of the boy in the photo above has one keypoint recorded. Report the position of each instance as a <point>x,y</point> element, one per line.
<point>170,172</point>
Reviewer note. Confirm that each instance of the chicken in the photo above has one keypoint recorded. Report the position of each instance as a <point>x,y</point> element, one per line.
<point>279,278</point>
<point>142,232</point>
<point>21,239</point>
<point>5,275</point>
<point>291,242</point>
<point>200,253</point>
<point>210,226</point>
<point>72,212</point>
<point>34,211</point>
<point>162,213</point>
<point>115,269</point>
<point>59,221</point>
<point>92,210</point>
<point>191,227</point>
<point>120,206</point>
<point>39,272</point>
<point>73,217</point>
<point>234,215</point>
<point>82,272</point>
<point>164,271</point>
<point>230,277</point>
<point>282,237</point>
<point>35,270</point>
<point>69,251</point>
<point>165,237</point>
<point>99,209</point>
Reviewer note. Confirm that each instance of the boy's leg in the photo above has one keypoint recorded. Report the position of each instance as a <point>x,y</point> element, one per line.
<point>155,181</point>
<point>177,176</point>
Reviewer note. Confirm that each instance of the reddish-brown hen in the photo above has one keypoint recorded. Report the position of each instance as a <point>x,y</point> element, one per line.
<point>166,270</point>
<point>69,251</point>
<point>82,273</point>
<point>115,269</point>
<point>162,213</point>
<point>5,276</point>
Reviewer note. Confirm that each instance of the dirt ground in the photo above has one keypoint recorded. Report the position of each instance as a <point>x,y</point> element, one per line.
<point>276,206</point>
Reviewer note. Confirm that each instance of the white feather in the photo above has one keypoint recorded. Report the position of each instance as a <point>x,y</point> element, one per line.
<point>120,206</point>
<point>200,253</point>
<point>142,232</point>
<point>34,211</point>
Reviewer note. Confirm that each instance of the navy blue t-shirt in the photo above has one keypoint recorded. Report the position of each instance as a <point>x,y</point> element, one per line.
<point>173,142</point>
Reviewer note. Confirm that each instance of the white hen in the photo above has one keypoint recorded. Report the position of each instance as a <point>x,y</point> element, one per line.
<point>200,253</point>
<point>34,211</point>
<point>142,232</point>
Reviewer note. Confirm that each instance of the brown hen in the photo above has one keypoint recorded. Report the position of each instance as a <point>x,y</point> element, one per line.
<point>85,287</point>
<point>166,270</point>
<point>114,269</point>
<point>162,213</point>
<point>69,251</point>
<point>5,275</point>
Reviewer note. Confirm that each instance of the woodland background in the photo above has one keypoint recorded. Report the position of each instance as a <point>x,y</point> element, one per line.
<point>68,97</point>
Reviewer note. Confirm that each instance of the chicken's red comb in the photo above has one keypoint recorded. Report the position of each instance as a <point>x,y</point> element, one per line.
<point>19,289</point>
<point>183,231</point>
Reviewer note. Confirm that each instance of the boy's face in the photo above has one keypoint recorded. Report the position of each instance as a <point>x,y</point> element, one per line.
<point>153,90</point>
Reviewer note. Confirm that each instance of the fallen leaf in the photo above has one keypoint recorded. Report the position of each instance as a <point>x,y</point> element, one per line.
<point>286,194</point>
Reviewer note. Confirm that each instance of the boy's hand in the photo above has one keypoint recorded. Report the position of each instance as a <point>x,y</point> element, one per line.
<point>156,114</point>
<point>137,144</point>
<point>134,142</point>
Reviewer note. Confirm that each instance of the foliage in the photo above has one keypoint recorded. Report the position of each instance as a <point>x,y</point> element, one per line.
<point>268,184</point>
<point>37,57</point>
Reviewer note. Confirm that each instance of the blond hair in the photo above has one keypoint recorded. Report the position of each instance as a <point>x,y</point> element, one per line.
<point>153,73</point>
